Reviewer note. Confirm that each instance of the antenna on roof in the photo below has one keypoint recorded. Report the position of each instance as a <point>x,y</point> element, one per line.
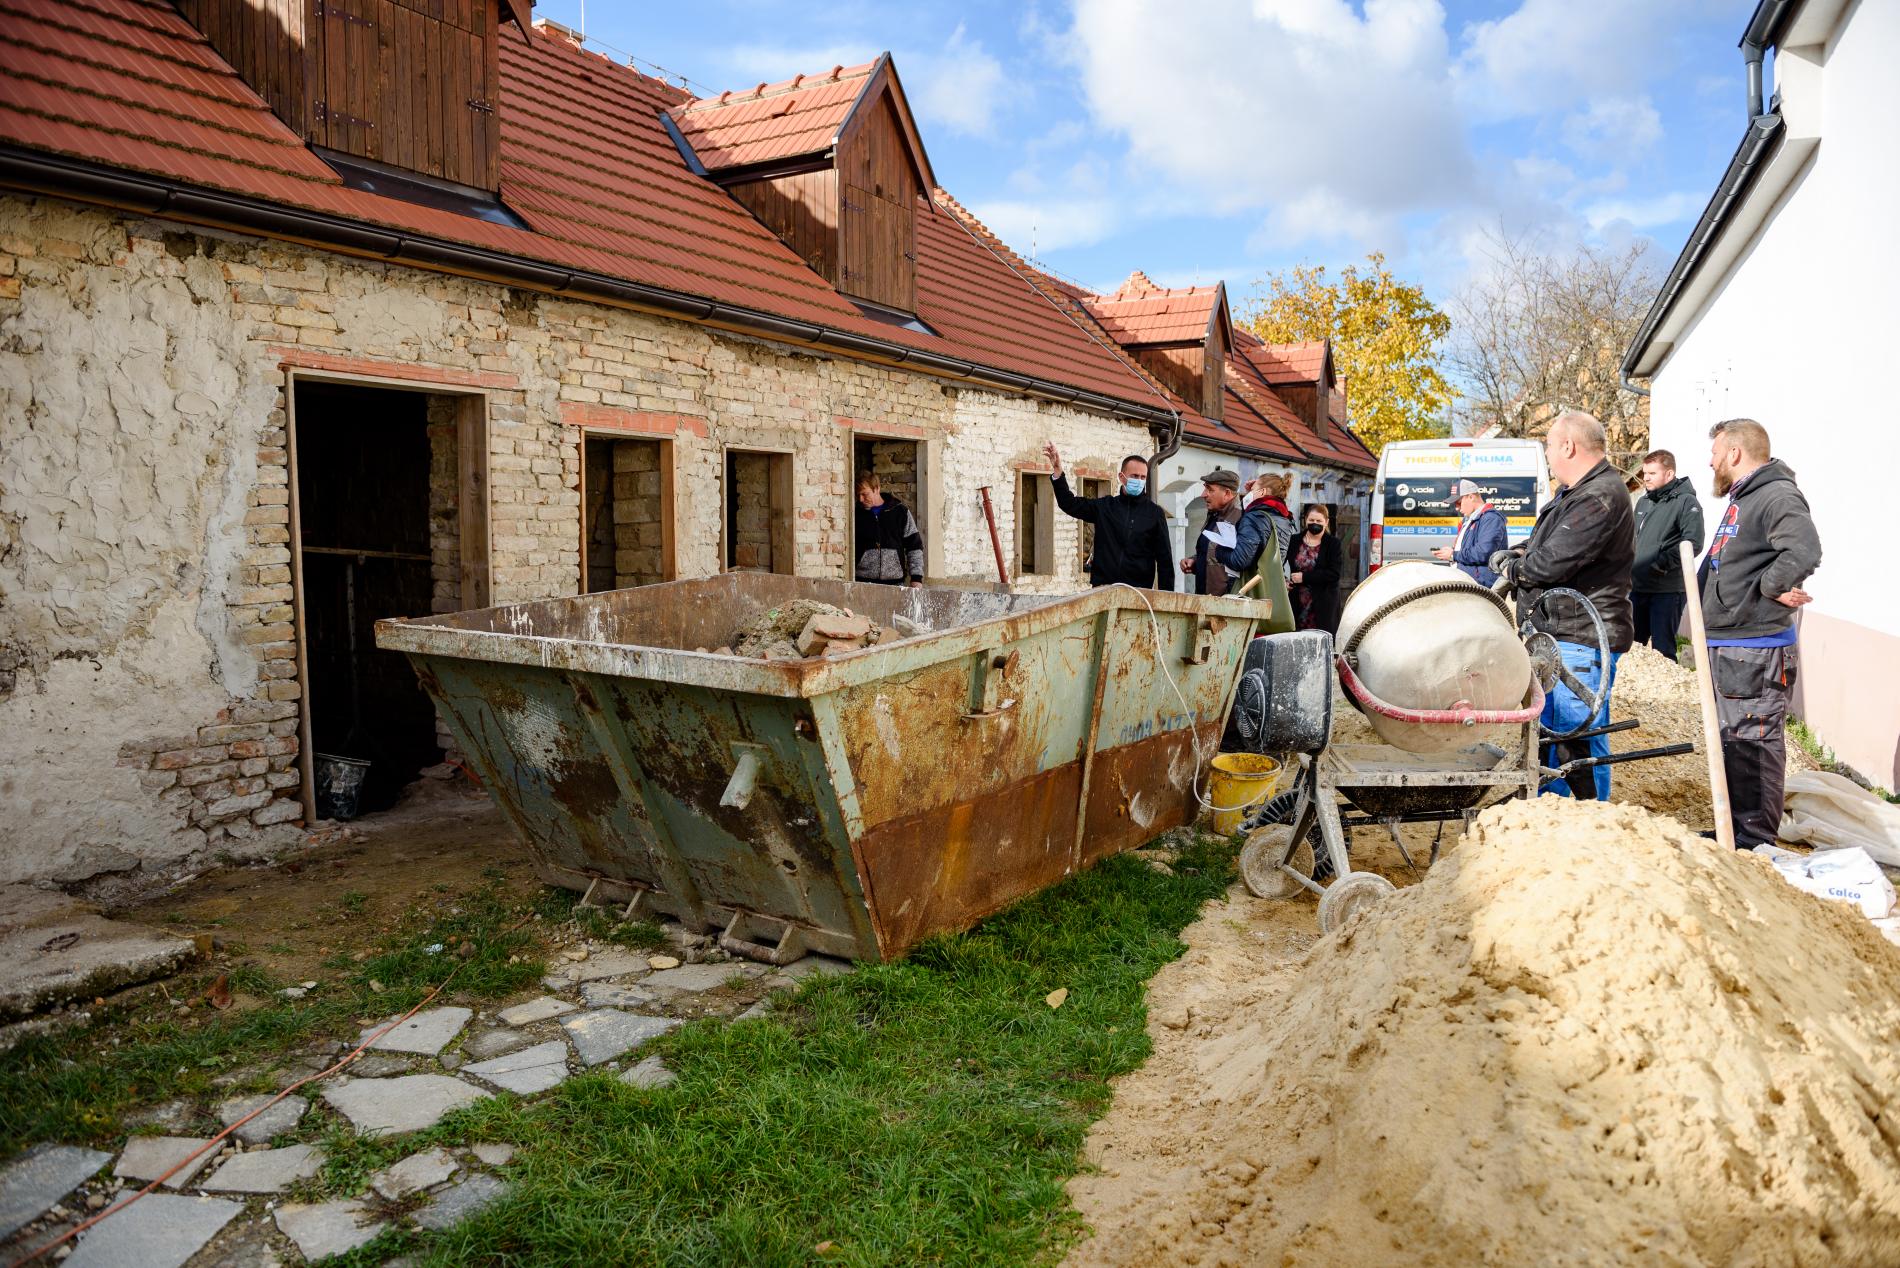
<point>1032,242</point>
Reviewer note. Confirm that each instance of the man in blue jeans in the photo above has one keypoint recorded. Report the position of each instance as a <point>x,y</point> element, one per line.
<point>1585,540</point>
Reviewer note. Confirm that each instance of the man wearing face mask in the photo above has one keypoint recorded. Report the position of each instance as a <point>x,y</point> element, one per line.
<point>1131,532</point>
<point>1314,562</point>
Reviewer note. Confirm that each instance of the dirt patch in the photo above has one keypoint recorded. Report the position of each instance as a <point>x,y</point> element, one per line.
<point>292,915</point>
<point>1587,1037</point>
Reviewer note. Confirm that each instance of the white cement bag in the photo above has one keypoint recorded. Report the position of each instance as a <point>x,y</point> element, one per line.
<point>1826,812</point>
<point>1847,875</point>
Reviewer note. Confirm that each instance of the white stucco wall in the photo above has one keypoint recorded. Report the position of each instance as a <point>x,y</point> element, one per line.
<point>1801,336</point>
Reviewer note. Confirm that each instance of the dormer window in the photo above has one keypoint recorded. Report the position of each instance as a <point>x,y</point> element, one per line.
<point>1181,336</point>
<point>832,164</point>
<point>409,84</point>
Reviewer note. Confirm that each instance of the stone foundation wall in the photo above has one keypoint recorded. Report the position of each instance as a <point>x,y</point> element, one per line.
<point>149,702</point>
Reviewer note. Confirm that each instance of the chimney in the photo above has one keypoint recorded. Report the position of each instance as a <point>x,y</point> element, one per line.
<point>567,34</point>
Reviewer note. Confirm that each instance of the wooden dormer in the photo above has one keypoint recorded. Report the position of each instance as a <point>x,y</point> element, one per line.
<point>1182,336</point>
<point>410,85</point>
<point>832,164</point>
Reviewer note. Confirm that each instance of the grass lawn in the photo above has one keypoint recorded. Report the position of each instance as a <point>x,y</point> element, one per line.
<point>921,1112</point>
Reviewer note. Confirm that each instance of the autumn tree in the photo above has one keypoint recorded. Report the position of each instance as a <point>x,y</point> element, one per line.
<point>1385,337</point>
<point>1538,331</point>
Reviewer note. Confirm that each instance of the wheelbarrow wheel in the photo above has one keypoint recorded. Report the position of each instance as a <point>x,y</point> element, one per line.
<point>1260,860</point>
<point>1348,894</point>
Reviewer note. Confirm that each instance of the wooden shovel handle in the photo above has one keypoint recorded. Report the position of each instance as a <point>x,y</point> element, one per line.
<point>1705,681</point>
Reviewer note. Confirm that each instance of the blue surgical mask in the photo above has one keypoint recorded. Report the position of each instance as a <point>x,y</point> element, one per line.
<point>1133,486</point>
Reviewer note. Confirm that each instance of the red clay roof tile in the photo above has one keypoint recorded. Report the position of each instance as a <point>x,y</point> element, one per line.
<point>790,119</point>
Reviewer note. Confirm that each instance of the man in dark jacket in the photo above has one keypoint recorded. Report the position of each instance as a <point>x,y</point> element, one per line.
<point>1482,533</point>
<point>1764,549</point>
<point>1220,490</point>
<point>890,548</point>
<point>1131,532</point>
<point>1666,514</point>
<point>1585,540</point>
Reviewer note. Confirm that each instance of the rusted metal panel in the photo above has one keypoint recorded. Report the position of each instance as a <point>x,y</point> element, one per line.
<point>867,800</point>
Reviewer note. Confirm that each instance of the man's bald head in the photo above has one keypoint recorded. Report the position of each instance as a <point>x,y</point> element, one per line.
<point>1573,446</point>
<point>1585,430</point>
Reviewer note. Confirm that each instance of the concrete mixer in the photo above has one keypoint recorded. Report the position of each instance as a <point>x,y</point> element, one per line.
<point>1447,679</point>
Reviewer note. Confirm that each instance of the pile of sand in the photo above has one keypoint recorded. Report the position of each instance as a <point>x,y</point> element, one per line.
<point>1586,1037</point>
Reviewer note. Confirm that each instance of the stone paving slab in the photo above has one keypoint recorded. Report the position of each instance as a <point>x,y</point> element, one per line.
<point>453,1205</point>
<point>818,966</point>
<point>426,1034</point>
<point>493,1155</point>
<point>57,949</point>
<point>34,1182</point>
<point>492,1043</point>
<point>701,977</point>
<point>323,1229</point>
<point>414,1173</point>
<point>605,1033</point>
<point>649,1072</point>
<point>535,1010</point>
<point>406,1104</point>
<point>526,1072</point>
<point>616,995</point>
<point>275,1121</point>
<point>147,1158</point>
<point>160,1230</point>
<point>265,1170</point>
<point>606,964</point>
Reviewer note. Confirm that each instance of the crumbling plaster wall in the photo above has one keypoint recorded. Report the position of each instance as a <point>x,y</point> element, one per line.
<point>148,698</point>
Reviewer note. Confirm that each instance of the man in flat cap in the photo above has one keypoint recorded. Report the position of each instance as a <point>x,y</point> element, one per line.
<point>1482,533</point>
<point>1220,489</point>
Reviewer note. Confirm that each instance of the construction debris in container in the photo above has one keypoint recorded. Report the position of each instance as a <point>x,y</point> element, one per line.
<point>804,628</point>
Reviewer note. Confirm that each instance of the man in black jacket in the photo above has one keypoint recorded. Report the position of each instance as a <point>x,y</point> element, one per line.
<point>1667,514</point>
<point>1764,549</point>
<point>1585,540</point>
<point>890,547</point>
<point>1131,532</point>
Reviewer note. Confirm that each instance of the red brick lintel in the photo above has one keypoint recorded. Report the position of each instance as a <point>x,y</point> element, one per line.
<point>609,418</point>
<point>290,358</point>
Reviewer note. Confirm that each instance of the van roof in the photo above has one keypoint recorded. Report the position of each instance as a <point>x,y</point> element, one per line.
<point>1465,442</point>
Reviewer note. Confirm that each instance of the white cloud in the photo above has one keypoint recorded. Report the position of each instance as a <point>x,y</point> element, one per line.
<point>1644,213</point>
<point>1037,226</point>
<point>958,88</point>
<point>1236,104</point>
<point>1551,54</point>
<point>750,64</point>
<point>1613,128</point>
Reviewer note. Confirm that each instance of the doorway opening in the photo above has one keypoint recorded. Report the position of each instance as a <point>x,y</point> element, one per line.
<point>626,490</point>
<point>379,532</point>
<point>899,475</point>
<point>1035,525</point>
<point>758,511</point>
<point>1092,487</point>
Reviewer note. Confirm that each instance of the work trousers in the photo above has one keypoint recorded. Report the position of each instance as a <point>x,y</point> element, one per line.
<point>1752,686</point>
<point>1658,617</point>
<point>1563,711</point>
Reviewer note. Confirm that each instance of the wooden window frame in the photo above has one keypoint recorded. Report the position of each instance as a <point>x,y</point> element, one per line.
<point>926,470</point>
<point>784,478</point>
<point>1044,527</point>
<point>669,557</point>
<point>473,516</point>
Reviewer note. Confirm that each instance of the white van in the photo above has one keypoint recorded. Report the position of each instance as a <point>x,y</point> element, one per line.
<point>1413,511</point>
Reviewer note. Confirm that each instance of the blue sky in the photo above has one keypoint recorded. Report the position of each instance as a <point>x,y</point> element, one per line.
<point>1205,139</point>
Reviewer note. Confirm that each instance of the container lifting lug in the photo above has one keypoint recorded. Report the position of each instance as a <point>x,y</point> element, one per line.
<point>994,672</point>
<point>1203,643</point>
<point>745,776</point>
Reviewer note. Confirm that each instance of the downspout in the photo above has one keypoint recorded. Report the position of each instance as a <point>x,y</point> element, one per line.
<point>1752,54</point>
<point>1623,380</point>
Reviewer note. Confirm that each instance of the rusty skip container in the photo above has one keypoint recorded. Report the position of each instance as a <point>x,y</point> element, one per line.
<point>850,805</point>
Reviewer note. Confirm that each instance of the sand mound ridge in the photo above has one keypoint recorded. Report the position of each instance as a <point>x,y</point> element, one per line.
<point>1586,1037</point>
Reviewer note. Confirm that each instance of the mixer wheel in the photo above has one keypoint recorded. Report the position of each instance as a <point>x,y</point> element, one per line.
<point>1260,860</point>
<point>1348,894</point>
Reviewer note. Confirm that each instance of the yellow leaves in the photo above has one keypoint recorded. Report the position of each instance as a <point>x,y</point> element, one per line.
<point>1054,998</point>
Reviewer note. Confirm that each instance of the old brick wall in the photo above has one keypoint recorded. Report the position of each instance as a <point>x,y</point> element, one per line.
<point>148,691</point>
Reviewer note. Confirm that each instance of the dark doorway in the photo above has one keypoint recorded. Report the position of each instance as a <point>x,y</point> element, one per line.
<point>628,512</point>
<point>378,537</point>
<point>896,466</point>
<point>758,511</point>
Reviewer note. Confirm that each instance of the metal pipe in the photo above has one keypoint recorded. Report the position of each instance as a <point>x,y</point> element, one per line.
<point>996,542</point>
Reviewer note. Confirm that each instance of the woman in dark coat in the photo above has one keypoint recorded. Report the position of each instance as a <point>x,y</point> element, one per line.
<point>1314,562</point>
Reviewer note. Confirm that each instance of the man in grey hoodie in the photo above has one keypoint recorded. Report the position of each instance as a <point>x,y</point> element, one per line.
<point>1763,550</point>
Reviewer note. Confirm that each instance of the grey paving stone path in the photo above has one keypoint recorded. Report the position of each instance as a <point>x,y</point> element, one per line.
<point>493,1155</point>
<point>529,1071</point>
<point>415,1173</point>
<point>275,1121</point>
<point>605,1033</point>
<point>607,964</point>
<point>160,1230</point>
<point>323,1229</point>
<point>649,1072</point>
<point>453,1205</point>
<point>427,1033</point>
<point>406,1104</point>
<point>540,1009</point>
<point>146,1158</point>
<point>616,995</point>
<point>265,1170</point>
<point>492,1043</point>
<point>41,1177</point>
<point>701,977</point>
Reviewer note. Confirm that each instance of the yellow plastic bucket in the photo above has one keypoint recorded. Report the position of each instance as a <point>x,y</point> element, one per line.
<point>1241,782</point>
